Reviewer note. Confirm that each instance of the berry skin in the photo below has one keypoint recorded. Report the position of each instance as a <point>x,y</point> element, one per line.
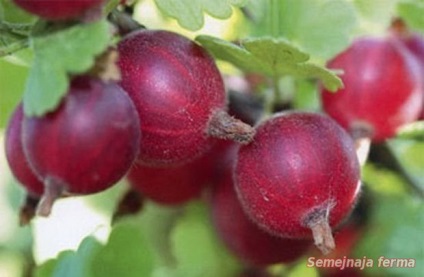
<point>179,184</point>
<point>170,185</point>
<point>87,144</point>
<point>15,155</point>
<point>179,95</point>
<point>246,240</point>
<point>300,173</point>
<point>383,88</point>
<point>58,9</point>
<point>415,43</point>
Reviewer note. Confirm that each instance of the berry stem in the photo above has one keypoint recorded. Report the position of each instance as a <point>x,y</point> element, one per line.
<point>52,191</point>
<point>317,221</point>
<point>222,125</point>
<point>361,135</point>
<point>362,146</point>
<point>27,210</point>
<point>105,67</point>
<point>323,237</point>
<point>130,204</point>
<point>125,23</point>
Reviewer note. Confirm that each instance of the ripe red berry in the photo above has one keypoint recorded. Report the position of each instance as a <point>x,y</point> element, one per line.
<point>170,185</point>
<point>179,95</point>
<point>244,238</point>
<point>300,173</point>
<point>87,144</point>
<point>383,88</point>
<point>58,9</point>
<point>15,155</point>
<point>179,184</point>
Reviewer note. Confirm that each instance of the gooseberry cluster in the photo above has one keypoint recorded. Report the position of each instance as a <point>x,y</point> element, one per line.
<point>274,189</point>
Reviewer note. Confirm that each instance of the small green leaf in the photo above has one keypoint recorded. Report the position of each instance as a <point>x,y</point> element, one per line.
<point>127,254</point>
<point>197,249</point>
<point>189,13</point>
<point>412,12</point>
<point>47,268</point>
<point>71,263</point>
<point>9,12</point>
<point>273,57</point>
<point>56,55</point>
<point>310,25</point>
<point>414,131</point>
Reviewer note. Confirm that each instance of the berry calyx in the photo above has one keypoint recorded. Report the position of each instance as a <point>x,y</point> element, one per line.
<point>299,177</point>
<point>179,95</point>
<point>86,145</point>
<point>382,88</point>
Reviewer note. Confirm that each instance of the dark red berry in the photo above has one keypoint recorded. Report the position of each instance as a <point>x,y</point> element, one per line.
<point>15,155</point>
<point>87,144</point>
<point>169,185</point>
<point>58,9</point>
<point>382,88</point>
<point>179,184</point>
<point>179,95</point>
<point>300,173</point>
<point>244,238</point>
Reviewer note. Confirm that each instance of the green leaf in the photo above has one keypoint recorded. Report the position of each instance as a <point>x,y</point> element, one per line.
<point>395,231</point>
<point>412,12</point>
<point>47,268</point>
<point>9,12</point>
<point>127,254</point>
<point>10,91</point>
<point>273,57</point>
<point>410,154</point>
<point>56,55</point>
<point>311,25</point>
<point>383,180</point>
<point>197,249</point>
<point>414,131</point>
<point>71,263</point>
<point>189,13</point>
<point>157,223</point>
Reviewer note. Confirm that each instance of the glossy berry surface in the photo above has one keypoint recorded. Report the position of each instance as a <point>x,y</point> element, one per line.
<point>15,155</point>
<point>176,87</point>
<point>383,88</point>
<point>58,9</point>
<point>244,238</point>
<point>88,143</point>
<point>299,167</point>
